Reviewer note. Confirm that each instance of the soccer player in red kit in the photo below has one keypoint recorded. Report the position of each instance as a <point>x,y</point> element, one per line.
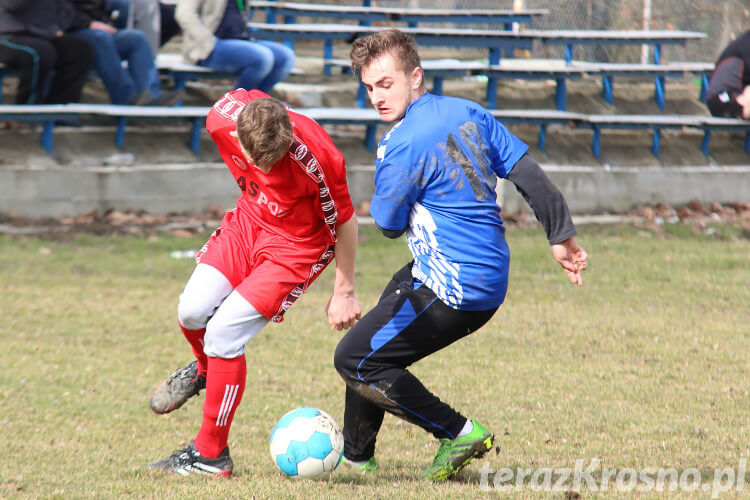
<point>293,217</point>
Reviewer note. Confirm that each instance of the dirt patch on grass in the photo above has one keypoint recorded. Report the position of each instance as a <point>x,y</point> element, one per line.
<point>698,217</point>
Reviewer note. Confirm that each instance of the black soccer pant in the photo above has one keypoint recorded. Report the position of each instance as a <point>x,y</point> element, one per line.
<point>405,326</point>
<point>68,57</point>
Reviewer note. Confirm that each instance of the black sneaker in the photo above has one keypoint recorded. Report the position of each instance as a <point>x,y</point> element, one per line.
<point>178,388</point>
<point>189,461</point>
<point>141,98</point>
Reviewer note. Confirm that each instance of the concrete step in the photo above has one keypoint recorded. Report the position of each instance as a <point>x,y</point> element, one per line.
<point>194,187</point>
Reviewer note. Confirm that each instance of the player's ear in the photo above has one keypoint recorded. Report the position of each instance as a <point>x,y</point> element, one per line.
<point>417,78</point>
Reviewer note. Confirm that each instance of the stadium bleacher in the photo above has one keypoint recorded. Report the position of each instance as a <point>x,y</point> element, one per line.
<point>559,71</point>
<point>494,41</point>
<point>491,40</point>
<point>369,119</point>
<point>366,15</point>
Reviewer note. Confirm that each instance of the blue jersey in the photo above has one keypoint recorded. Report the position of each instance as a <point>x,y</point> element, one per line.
<point>436,173</point>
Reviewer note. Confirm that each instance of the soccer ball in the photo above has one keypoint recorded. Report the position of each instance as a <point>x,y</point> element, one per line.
<point>307,443</point>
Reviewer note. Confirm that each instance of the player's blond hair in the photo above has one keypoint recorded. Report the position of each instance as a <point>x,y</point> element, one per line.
<point>265,131</point>
<point>392,41</point>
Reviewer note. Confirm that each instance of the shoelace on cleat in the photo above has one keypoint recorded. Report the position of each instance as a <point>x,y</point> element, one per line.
<point>184,456</point>
<point>182,374</point>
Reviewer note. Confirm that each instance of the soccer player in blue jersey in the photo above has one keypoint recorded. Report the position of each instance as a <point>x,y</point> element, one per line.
<point>435,178</point>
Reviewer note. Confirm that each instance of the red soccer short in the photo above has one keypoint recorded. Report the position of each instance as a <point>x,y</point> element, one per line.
<point>268,270</point>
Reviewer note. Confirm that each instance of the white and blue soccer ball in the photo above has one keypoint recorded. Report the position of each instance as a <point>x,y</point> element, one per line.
<point>307,443</point>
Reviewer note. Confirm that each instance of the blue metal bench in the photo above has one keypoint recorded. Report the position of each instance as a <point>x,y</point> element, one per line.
<point>168,64</point>
<point>635,122</point>
<point>492,40</point>
<point>655,38</point>
<point>572,38</point>
<point>47,115</point>
<point>557,70</point>
<point>193,114</point>
<point>172,65</point>
<point>366,15</point>
<point>369,118</point>
<point>711,124</point>
<point>542,118</point>
<point>562,73</point>
<point>657,123</point>
<point>657,71</point>
<point>175,67</point>
<point>44,114</point>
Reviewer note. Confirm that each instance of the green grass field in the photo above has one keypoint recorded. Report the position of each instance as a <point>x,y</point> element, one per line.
<point>646,365</point>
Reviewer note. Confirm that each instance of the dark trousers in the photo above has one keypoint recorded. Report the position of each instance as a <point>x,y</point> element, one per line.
<point>405,326</point>
<point>67,58</point>
<point>169,26</point>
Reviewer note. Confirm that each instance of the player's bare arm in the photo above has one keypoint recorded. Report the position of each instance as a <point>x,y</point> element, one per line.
<point>343,307</point>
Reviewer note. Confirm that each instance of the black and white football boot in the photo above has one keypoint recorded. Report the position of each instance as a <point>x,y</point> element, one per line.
<point>188,461</point>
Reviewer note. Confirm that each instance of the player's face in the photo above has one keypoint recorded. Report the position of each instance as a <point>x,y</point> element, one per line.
<point>390,88</point>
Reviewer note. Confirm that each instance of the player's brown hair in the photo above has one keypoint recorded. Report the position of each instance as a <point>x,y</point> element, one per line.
<point>391,41</point>
<point>265,131</point>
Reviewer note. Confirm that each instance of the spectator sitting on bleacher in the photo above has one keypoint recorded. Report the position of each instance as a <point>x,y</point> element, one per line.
<point>138,84</point>
<point>145,17</point>
<point>32,43</point>
<point>729,87</point>
<point>215,35</point>
<point>155,19</point>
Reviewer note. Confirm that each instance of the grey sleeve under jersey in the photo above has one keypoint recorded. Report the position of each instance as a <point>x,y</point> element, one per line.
<point>547,202</point>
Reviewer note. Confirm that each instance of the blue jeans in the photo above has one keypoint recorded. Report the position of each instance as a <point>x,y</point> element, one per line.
<point>258,64</point>
<point>125,45</point>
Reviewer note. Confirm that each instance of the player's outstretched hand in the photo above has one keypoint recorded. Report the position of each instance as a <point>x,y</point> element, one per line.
<point>572,258</point>
<point>343,311</point>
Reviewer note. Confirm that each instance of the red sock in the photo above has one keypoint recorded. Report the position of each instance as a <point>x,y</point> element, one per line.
<point>195,337</point>
<point>224,387</point>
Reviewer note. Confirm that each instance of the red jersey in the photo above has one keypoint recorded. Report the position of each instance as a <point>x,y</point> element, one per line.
<point>305,195</point>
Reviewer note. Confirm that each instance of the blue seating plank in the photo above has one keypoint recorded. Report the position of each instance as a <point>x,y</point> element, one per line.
<point>657,71</point>
<point>542,118</point>
<point>48,114</point>
<point>655,123</point>
<point>656,38</point>
<point>557,70</point>
<point>493,40</point>
<point>367,14</point>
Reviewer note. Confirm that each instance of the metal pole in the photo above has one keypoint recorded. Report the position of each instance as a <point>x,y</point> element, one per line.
<point>646,26</point>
